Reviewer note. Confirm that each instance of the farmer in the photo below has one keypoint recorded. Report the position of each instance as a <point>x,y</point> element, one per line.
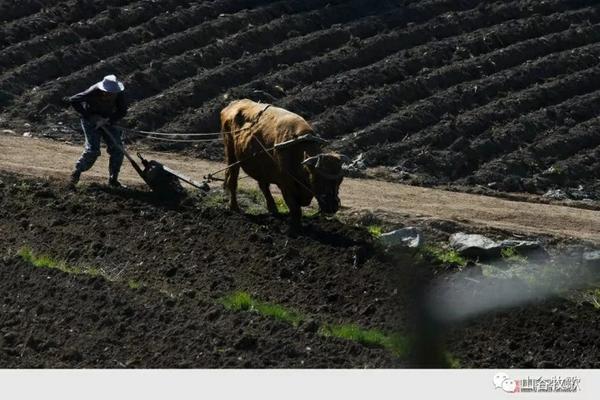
<point>100,107</point>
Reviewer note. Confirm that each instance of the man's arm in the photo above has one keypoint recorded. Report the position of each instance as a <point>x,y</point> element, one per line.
<point>78,102</point>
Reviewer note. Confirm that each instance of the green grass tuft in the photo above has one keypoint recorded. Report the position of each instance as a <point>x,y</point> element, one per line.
<point>375,230</point>
<point>214,199</point>
<point>511,254</point>
<point>238,301</point>
<point>279,312</point>
<point>242,301</point>
<point>281,205</point>
<point>252,194</point>
<point>444,256</point>
<point>41,262</point>
<point>396,343</point>
<point>311,213</point>
<point>45,261</point>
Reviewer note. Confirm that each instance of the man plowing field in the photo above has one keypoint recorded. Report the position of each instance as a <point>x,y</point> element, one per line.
<point>100,106</point>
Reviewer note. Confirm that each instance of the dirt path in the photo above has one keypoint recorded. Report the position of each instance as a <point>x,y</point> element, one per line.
<point>54,159</point>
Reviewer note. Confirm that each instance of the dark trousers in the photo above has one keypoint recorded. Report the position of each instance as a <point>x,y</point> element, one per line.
<point>92,148</point>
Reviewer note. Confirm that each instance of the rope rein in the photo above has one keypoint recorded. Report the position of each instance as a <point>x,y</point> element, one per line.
<point>203,134</point>
<point>151,134</point>
<point>210,176</point>
<point>168,139</point>
<point>204,137</point>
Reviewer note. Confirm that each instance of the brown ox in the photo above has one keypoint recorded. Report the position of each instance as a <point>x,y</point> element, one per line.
<point>298,168</point>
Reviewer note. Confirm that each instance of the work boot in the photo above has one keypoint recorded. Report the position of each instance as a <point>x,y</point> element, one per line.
<point>114,182</point>
<point>74,180</point>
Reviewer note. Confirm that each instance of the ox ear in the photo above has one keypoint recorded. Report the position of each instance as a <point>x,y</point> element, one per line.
<point>311,162</point>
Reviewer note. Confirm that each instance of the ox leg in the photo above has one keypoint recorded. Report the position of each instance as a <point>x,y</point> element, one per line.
<point>271,206</point>
<point>230,185</point>
<point>295,212</point>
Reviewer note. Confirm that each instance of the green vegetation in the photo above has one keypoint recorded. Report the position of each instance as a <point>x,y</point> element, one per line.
<point>280,313</point>
<point>242,301</point>
<point>311,213</point>
<point>281,205</point>
<point>238,301</point>
<point>375,230</point>
<point>214,199</point>
<point>45,261</point>
<point>370,337</point>
<point>512,255</point>
<point>252,202</point>
<point>444,256</point>
<point>252,194</point>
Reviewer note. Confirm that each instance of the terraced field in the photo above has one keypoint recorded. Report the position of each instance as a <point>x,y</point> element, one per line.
<point>501,94</point>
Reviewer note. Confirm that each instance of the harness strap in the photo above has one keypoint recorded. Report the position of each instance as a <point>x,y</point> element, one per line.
<point>282,170</point>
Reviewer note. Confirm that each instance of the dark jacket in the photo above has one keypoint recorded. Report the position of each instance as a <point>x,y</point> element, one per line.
<point>89,103</point>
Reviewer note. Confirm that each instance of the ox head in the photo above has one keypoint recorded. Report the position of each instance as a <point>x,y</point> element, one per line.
<point>326,175</point>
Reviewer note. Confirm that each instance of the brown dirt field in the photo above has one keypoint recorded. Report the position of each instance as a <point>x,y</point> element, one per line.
<point>52,159</point>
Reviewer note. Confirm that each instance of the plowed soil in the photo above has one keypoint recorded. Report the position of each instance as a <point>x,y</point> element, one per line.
<point>166,269</point>
<point>196,255</point>
<point>54,320</point>
<point>466,92</point>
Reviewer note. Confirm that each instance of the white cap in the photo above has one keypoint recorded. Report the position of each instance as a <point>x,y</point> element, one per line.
<point>110,84</point>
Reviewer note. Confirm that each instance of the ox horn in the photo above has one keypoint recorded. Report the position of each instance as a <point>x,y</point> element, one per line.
<point>312,161</point>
